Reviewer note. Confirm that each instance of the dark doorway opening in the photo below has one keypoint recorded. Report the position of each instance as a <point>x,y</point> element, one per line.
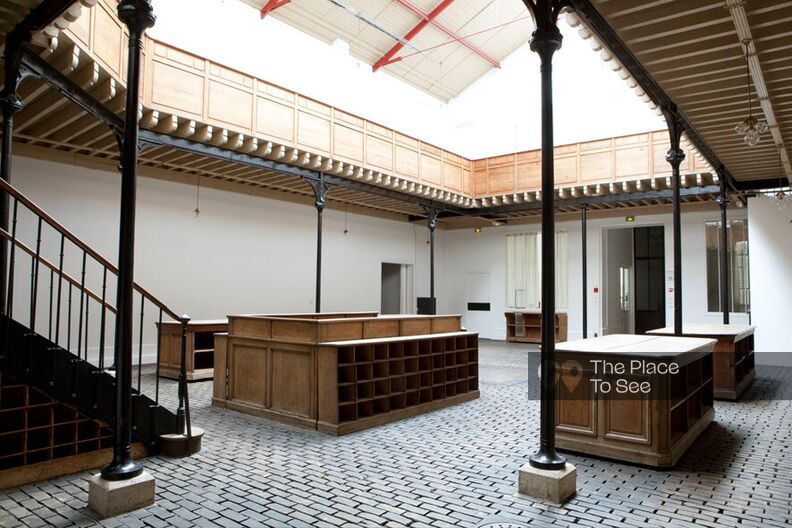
<point>649,251</point>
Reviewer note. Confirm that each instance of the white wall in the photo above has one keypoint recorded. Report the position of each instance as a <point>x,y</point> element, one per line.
<point>467,251</point>
<point>248,254</point>
<point>770,246</point>
<point>243,254</point>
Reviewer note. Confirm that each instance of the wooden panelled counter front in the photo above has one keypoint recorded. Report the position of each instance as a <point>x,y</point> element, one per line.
<point>200,344</point>
<point>341,375</point>
<point>654,429</point>
<point>734,368</point>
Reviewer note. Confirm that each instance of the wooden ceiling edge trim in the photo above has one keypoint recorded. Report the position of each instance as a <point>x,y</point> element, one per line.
<point>593,214</point>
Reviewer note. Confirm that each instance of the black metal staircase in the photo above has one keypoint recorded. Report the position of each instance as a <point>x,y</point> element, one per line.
<point>57,326</point>
<point>40,363</point>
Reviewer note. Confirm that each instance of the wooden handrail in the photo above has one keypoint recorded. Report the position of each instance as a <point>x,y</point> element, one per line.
<point>47,264</point>
<point>57,226</point>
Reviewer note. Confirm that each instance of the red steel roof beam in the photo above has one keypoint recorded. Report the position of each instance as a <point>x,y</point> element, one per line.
<point>388,58</point>
<point>272,5</point>
<point>429,19</point>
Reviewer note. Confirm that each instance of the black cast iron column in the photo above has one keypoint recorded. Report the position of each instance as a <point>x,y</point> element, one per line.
<point>584,264</point>
<point>675,157</point>
<point>138,16</point>
<point>723,202</point>
<point>545,41</point>
<point>431,220</point>
<point>10,104</point>
<point>320,201</point>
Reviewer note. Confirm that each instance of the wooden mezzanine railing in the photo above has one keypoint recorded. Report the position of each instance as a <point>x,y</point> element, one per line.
<point>193,97</point>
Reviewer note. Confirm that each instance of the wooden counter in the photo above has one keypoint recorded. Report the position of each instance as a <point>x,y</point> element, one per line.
<point>200,342</point>
<point>525,326</point>
<point>653,429</point>
<point>200,348</point>
<point>343,375</point>
<point>734,368</point>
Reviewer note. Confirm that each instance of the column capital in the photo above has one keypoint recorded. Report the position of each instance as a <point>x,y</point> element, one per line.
<point>546,38</point>
<point>431,218</point>
<point>320,188</point>
<point>10,102</point>
<point>675,156</point>
<point>723,200</point>
<point>138,15</point>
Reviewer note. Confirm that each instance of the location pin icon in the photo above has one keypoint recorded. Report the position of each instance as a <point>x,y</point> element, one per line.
<point>572,374</point>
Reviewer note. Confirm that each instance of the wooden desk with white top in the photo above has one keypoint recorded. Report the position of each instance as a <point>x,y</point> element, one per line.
<point>733,362</point>
<point>653,429</point>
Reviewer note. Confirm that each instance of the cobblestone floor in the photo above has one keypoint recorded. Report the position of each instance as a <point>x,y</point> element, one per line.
<point>454,467</point>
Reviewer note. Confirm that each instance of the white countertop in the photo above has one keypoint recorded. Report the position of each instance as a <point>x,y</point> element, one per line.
<point>652,346</point>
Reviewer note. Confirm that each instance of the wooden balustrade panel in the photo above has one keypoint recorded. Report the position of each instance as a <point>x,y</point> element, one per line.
<point>176,82</point>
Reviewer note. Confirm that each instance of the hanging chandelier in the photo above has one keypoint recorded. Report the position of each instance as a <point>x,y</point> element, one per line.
<point>751,128</point>
<point>782,199</point>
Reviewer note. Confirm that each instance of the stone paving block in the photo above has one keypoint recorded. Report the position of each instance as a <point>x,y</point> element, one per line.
<point>452,467</point>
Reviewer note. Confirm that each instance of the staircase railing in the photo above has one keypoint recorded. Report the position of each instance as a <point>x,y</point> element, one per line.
<point>71,286</point>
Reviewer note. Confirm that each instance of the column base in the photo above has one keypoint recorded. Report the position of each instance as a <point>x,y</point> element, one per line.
<point>109,498</point>
<point>555,487</point>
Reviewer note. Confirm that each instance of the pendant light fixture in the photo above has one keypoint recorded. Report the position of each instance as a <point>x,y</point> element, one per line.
<point>751,128</point>
<point>782,199</point>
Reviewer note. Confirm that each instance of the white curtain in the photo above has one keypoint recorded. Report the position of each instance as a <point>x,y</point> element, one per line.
<point>520,268</point>
<point>524,273</point>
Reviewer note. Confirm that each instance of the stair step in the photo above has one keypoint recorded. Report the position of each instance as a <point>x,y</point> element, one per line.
<point>178,445</point>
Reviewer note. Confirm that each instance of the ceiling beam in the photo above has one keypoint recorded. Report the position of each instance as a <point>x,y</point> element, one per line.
<point>430,19</point>
<point>72,91</point>
<point>272,5</point>
<point>388,58</point>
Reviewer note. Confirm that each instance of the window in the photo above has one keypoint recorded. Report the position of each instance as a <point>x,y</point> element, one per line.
<point>524,270</point>
<point>737,233</point>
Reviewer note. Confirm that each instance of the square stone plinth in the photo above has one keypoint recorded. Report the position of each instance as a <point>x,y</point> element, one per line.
<point>554,486</point>
<point>113,497</point>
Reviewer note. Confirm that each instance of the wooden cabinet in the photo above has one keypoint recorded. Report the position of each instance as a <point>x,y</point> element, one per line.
<point>734,367</point>
<point>653,428</point>
<point>341,375</point>
<point>200,348</point>
<point>526,326</point>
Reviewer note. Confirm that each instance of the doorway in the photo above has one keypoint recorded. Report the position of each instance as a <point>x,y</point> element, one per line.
<point>397,289</point>
<point>633,280</point>
<point>649,248</point>
<point>478,294</point>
